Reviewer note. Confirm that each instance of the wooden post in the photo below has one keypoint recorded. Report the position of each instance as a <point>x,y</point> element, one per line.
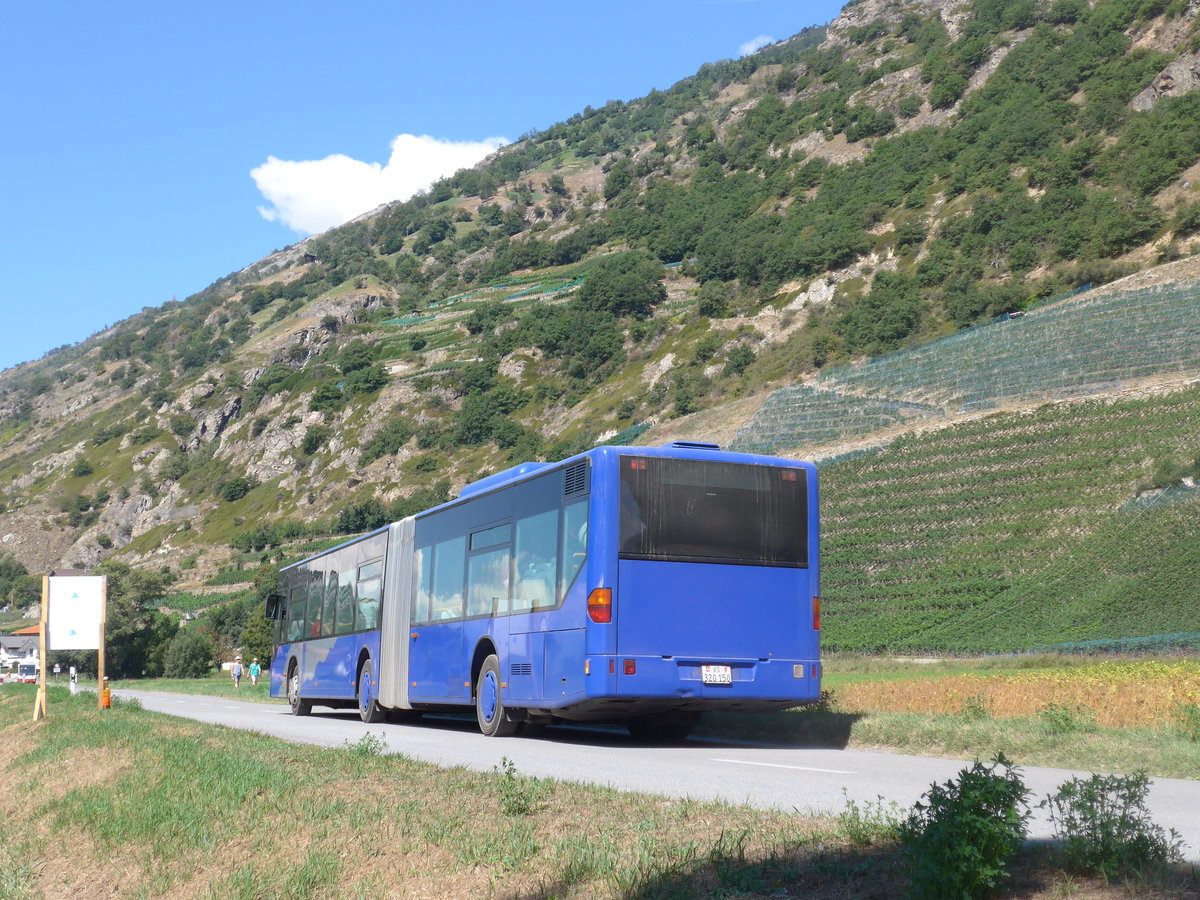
<point>100,652</point>
<point>39,705</point>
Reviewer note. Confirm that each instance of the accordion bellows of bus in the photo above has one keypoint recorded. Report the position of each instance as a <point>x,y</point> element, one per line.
<point>641,585</point>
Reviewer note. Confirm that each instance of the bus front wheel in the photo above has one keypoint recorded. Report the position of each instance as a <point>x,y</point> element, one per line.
<point>369,709</point>
<point>299,707</point>
<point>494,719</point>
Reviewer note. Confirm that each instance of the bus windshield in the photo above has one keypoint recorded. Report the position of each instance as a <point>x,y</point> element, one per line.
<point>686,510</point>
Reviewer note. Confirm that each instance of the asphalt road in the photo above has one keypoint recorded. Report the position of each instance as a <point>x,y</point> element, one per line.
<point>768,777</point>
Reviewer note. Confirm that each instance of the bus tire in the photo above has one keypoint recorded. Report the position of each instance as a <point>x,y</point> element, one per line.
<point>369,709</point>
<point>494,719</point>
<point>299,707</point>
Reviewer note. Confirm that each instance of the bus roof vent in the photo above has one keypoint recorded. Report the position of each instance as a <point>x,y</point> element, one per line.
<point>575,479</point>
<point>693,445</point>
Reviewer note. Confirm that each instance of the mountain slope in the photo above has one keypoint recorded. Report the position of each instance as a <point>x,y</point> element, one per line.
<point>915,168</point>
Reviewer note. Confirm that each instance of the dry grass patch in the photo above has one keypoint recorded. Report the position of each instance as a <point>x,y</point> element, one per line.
<point>1142,694</point>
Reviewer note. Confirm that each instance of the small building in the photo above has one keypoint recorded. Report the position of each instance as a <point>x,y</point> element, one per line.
<point>18,648</point>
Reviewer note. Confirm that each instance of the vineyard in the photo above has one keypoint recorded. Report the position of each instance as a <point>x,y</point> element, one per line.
<point>1019,530</point>
<point>1077,347</point>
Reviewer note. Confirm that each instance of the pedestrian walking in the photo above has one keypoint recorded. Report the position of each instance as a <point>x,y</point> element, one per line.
<point>236,671</point>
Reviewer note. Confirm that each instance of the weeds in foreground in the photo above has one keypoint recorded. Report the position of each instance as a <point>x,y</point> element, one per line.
<point>1105,828</point>
<point>368,745</point>
<point>959,842</point>
<point>519,796</point>
<point>18,876</point>
<point>873,822</point>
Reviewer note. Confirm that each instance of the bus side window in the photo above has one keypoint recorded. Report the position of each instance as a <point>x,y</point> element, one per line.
<point>424,572</point>
<point>536,557</point>
<point>368,603</point>
<point>346,602</point>
<point>449,559</point>
<point>573,549</point>
<point>316,596</point>
<point>369,586</point>
<point>330,609</point>
<point>488,580</point>
<point>295,614</point>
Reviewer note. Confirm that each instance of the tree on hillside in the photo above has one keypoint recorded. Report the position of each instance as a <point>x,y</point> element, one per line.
<point>17,586</point>
<point>623,284</point>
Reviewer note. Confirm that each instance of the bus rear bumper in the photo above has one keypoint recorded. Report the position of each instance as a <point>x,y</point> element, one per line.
<point>629,686</point>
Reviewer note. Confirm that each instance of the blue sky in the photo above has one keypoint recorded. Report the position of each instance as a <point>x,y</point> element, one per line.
<point>155,147</point>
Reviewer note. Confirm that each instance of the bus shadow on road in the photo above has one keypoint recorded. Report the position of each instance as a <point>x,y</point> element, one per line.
<point>813,729</point>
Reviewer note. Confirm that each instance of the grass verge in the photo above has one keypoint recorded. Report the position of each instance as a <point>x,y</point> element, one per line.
<point>129,803</point>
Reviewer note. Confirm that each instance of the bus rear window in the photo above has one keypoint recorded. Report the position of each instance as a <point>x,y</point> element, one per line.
<point>687,510</point>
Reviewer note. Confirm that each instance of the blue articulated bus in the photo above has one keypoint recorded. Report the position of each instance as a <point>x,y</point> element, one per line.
<point>642,585</point>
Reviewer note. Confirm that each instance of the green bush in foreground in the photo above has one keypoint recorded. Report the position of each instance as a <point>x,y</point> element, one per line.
<point>1104,826</point>
<point>959,842</point>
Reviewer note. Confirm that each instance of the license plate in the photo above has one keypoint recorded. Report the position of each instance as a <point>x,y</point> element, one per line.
<point>716,674</point>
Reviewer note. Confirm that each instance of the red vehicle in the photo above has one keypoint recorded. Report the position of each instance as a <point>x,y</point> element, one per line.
<point>27,673</point>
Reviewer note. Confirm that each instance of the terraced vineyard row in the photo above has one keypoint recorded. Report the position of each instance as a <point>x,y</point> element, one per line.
<point>1014,531</point>
<point>1075,348</point>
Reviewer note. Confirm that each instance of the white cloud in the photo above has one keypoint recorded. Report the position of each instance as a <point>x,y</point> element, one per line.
<point>755,44</point>
<point>313,195</point>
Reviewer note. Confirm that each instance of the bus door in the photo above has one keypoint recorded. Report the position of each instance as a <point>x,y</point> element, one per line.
<point>489,590</point>
<point>535,569</point>
<point>437,667</point>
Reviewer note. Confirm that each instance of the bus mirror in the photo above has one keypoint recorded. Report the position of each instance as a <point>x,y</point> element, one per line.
<point>274,606</point>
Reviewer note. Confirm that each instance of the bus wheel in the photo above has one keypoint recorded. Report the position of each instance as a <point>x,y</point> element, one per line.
<point>494,719</point>
<point>369,709</point>
<point>299,707</point>
<point>663,729</point>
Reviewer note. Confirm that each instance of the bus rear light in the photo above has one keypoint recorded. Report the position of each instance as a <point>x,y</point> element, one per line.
<point>629,667</point>
<point>816,613</point>
<point>612,667</point>
<point>599,605</point>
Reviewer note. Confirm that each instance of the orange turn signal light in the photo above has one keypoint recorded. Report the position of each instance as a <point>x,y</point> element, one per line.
<point>599,605</point>
<point>816,613</point>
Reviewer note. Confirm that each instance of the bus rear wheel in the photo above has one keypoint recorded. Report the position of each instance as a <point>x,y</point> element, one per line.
<point>299,707</point>
<point>369,709</point>
<point>494,719</point>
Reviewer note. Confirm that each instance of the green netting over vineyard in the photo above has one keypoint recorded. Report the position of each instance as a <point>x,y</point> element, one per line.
<point>1076,347</point>
<point>1183,642</point>
<point>409,320</point>
<point>801,414</point>
<point>628,435</point>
